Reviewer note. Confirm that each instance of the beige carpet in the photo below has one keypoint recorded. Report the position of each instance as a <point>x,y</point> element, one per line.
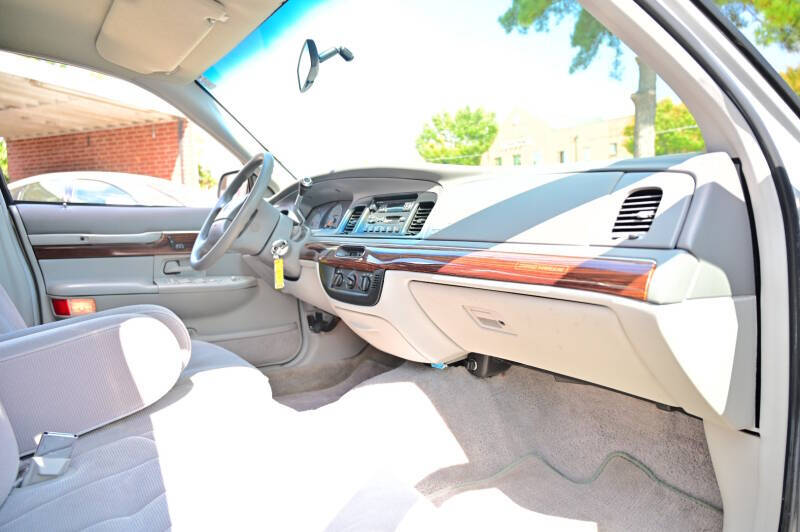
<point>418,448</point>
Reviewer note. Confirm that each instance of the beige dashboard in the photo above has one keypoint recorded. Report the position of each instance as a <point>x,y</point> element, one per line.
<point>532,267</point>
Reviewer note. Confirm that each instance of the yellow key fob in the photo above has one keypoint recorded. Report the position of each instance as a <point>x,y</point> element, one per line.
<point>278,273</point>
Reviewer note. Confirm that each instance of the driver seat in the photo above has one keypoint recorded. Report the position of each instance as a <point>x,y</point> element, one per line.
<point>170,465</point>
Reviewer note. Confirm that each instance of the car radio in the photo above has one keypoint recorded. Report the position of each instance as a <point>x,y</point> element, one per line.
<point>393,215</point>
<point>388,216</point>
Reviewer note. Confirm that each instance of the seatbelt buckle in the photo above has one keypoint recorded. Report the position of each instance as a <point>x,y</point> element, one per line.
<point>51,458</point>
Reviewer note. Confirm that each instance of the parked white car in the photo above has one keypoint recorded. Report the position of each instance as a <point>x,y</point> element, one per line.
<point>108,188</point>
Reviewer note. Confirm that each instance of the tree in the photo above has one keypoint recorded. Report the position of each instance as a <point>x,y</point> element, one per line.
<point>777,21</point>
<point>204,177</point>
<point>461,138</point>
<point>792,77</point>
<point>4,158</point>
<point>675,130</point>
<point>589,36</point>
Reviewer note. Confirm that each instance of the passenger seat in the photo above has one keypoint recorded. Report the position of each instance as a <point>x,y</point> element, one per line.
<point>179,461</point>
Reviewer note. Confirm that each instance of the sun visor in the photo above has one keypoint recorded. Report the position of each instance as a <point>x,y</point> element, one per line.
<point>156,35</point>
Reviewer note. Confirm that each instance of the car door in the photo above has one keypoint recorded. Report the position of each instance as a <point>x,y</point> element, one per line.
<point>126,255</point>
<point>85,178</point>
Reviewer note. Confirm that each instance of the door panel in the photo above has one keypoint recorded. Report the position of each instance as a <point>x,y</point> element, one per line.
<point>130,255</point>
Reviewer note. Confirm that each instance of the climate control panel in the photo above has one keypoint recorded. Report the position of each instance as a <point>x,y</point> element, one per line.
<point>352,286</point>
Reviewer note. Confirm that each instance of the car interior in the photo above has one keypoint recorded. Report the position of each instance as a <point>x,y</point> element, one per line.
<point>589,346</point>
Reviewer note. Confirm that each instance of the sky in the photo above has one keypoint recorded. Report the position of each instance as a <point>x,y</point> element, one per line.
<point>412,59</point>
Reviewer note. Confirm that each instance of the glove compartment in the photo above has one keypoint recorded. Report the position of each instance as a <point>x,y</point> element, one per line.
<point>580,340</point>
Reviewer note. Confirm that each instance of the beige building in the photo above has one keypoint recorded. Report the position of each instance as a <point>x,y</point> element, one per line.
<point>523,140</point>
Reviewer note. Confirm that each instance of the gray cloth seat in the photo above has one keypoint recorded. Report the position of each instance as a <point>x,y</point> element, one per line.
<point>168,466</point>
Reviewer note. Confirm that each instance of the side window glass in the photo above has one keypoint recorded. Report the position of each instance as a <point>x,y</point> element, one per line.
<point>107,141</point>
<point>52,191</point>
<point>773,27</point>
<point>88,191</point>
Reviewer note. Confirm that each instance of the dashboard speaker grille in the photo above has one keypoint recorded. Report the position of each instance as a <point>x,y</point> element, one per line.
<point>423,210</point>
<point>637,213</point>
<point>352,220</point>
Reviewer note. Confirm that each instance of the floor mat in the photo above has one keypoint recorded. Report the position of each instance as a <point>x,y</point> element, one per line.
<point>522,442</point>
<point>309,388</point>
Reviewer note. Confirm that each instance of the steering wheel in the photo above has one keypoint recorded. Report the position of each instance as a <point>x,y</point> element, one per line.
<point>230,215</point>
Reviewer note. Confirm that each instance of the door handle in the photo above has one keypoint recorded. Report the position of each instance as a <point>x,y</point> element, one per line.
<point>174,267</point>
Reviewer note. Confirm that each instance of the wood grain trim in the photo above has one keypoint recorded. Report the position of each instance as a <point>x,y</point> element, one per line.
<point>168,244</point>
<point>620,277</point>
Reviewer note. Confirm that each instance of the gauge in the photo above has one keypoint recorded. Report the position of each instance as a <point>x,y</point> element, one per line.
<point>334,217</point>
<point>315,218</point>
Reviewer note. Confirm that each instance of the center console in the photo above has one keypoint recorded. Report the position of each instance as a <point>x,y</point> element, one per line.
<point>347,271</point>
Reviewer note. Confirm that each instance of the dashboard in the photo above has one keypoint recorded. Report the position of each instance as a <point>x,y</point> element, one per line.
<point>600,274</point>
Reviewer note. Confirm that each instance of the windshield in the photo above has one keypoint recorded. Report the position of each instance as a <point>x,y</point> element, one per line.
<point>494,83</point>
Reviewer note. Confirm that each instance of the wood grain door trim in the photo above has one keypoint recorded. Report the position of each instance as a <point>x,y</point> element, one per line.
<point>173,243</point>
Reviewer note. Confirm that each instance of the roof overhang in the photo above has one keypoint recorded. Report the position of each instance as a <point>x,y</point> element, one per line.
<point>30,108</point>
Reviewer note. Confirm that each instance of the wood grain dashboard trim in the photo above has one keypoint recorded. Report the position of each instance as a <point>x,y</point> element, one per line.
<point>167,244</point>
<point>620,277</point>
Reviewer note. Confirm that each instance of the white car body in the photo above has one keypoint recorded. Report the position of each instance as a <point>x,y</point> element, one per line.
<point>117,188</point>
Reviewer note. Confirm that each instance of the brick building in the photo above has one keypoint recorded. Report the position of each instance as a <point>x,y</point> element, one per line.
<point>56,128</point>
<point>161,150</point>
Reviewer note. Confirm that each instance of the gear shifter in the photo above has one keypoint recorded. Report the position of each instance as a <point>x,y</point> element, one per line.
<point>303,186</point>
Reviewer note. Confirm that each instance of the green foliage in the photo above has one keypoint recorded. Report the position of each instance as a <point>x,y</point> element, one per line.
<point>4,158</point>
<point>457,139</point>
<point>777,21</point>
<point>792,77</point>
<point>676,130</point>
<point>588,35</point>
<point>205,179</point>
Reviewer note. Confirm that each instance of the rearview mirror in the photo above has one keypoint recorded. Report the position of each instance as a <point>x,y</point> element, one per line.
<point>310,58</point>
<point>307,65</point>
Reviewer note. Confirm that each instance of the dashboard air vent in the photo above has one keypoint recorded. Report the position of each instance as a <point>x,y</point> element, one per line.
<point>637,213</point>
<point>352,220</point>
<point>420,216</point>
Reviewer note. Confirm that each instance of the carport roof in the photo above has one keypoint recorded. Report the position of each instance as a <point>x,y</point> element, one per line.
<point>32,108</point>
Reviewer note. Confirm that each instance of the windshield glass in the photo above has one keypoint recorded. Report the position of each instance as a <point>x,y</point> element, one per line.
<point>494,83</point>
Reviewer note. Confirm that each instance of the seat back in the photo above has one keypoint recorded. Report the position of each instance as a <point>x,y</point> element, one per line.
<point>9,455</point>
<point>10,318</point>
<point>10,321</point>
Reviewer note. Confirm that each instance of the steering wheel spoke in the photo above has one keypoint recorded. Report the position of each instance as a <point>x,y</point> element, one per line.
<point>229,216</point>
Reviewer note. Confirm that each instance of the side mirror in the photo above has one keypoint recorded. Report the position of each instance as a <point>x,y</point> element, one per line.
<point>222,184</point>
<point>307,65</point>
<point>310,59</point>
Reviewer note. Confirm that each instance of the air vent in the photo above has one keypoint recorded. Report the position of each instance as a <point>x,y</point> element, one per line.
<point>637,213</point>
<point>352,221</point>
<point>420,216</point>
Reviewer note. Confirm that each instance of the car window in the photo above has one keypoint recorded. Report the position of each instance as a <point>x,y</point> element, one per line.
<point>117,143</point>
<point>773,27</point>
<point>51,191</point>
<point>496,83</point>
<point>89,191</point>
